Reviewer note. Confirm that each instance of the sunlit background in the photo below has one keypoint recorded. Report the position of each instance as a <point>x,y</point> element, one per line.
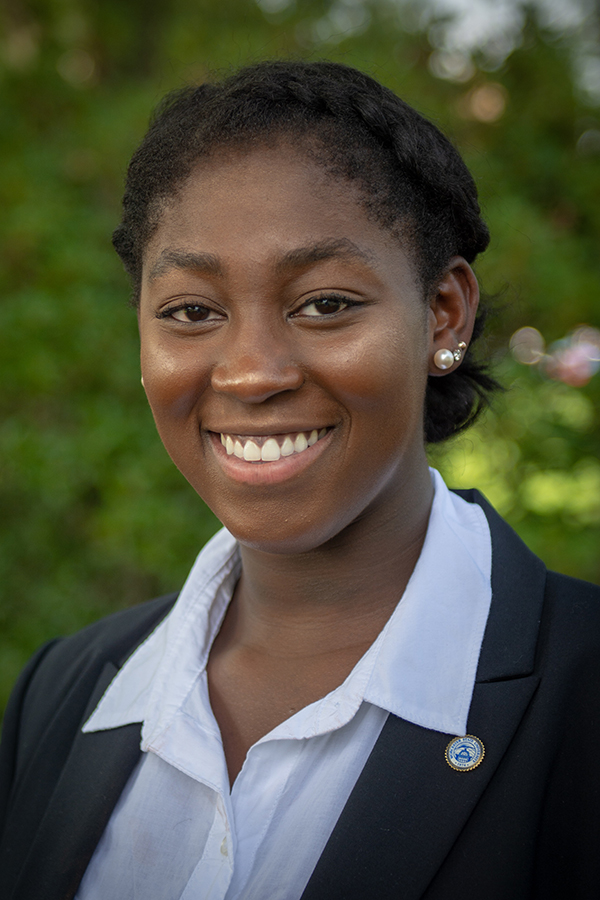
<point>93,514</point>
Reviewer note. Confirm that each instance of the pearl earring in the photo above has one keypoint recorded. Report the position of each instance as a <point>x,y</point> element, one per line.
<point>142,380</point>
<point>444,359</point>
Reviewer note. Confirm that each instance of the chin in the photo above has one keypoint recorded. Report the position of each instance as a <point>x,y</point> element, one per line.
<point>292,538</point>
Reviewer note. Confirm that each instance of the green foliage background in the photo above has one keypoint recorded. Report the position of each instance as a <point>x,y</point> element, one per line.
<point>94,516</point>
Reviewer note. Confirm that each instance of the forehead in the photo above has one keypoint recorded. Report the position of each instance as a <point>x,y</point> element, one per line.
<point>266,204</point>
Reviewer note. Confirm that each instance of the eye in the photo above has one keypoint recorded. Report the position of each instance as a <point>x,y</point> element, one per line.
<point>324,306</point>
<point>190,313</point>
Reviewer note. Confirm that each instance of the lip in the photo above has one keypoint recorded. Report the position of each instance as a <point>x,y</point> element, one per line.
<point>266,431</point>
<point>267,472</point>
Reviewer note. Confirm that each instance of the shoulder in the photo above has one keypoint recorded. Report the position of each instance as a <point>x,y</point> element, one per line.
<point>537,617</point>
<point>67,664</point>
<point>578,593</point>
<point>511,553</point>
<point>62,662</point>
<point>570,626</point>
<point>112,638</point>
<point>56,685</point>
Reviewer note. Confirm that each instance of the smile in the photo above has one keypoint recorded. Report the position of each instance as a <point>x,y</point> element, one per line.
<point>270,448</point>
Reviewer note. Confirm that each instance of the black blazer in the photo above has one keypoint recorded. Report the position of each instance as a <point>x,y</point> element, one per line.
<point>524,824</point>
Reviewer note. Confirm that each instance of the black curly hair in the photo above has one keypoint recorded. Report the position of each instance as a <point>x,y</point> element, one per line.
<point>410,178</point>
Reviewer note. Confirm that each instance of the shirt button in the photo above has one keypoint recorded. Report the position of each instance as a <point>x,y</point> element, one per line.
<point>224,846</point>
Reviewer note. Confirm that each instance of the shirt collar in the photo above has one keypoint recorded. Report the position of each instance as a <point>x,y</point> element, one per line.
<point>421,667</point>
<point>430,646</point>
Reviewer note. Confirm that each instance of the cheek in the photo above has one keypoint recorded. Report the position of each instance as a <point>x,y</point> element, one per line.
<point>383,372</point>
<point>172,380</point>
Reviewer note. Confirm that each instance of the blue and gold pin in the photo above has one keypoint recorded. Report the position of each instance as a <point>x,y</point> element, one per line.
<point>464,753</point>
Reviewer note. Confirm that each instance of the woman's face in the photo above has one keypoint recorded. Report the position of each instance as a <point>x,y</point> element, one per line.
<point>280,325</point>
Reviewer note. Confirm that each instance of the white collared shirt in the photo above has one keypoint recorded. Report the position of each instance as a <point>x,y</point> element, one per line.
<point>178,832</point>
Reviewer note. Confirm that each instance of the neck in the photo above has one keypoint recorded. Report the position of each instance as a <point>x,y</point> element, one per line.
<point>337,595</point>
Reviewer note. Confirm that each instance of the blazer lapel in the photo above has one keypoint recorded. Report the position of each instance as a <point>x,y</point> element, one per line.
<point>90,784</point>
<point>408,807</point>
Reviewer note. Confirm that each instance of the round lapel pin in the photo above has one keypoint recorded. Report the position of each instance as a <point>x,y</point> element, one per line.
<point>464,753</point>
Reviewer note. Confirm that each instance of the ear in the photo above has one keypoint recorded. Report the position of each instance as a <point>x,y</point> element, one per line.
<point>452,311</point>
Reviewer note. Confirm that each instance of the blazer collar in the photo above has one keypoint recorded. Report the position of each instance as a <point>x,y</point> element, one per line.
<point>394,812</point>
<point>518,584</point>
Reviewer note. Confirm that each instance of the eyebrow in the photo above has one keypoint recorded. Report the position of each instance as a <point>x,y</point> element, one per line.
<point>185,259</point>
<point>208,263</point>
<point>339,248</point>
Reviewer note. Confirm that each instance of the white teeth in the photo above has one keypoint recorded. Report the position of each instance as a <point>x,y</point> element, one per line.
<point>270,451</point>
<point>300,443</point>
<point>251,451</point>
<point>287,448</point>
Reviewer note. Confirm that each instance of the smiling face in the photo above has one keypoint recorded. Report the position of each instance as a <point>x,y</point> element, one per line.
<point>285,347</point>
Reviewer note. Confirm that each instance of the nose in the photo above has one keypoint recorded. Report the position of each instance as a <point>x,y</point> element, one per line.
<point>256,365</point>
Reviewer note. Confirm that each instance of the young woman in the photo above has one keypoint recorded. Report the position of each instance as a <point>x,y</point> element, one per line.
<point>368,686</point>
